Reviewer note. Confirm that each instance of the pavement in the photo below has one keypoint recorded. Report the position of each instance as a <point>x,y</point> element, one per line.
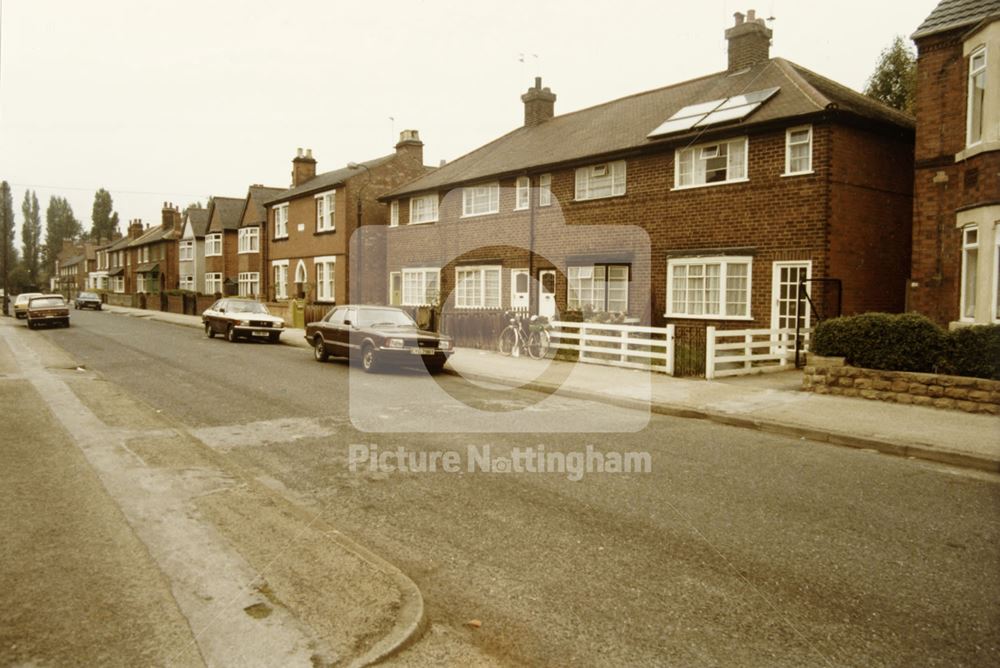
<point>766,402</point>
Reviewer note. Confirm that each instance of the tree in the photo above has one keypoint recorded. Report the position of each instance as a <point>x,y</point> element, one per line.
<point>6,240</point>
<point>31,233</point>
<point>60,225</point>
<point>104,219</point>
<point>894,81</point>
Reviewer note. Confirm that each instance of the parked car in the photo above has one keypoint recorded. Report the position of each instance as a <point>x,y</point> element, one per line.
<point>241,319</point>
<point>87,300</point>
<point>377,335</point>
<point>21,304</point>
<point>47,310</point>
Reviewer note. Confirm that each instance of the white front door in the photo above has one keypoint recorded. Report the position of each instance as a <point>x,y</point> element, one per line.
<point>785,295</point>
<point>547,293</point>
<point>520,289</point>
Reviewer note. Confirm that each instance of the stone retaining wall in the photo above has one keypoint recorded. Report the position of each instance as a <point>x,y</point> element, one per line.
<point>829,375</point>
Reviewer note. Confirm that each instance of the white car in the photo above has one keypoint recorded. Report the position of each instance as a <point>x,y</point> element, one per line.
<point>241,319</point>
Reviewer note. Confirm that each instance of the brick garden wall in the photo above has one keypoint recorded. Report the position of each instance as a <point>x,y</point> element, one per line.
<point>829,375</point>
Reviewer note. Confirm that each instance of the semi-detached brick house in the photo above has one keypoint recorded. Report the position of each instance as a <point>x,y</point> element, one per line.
<point>250,249</point>
<point>310,226</point>
<point>191,249</point>
<point>955,278</point>
<point>154,253</point>
<point>744,181</point>
<point>221,241</point>
<point>119,261</point>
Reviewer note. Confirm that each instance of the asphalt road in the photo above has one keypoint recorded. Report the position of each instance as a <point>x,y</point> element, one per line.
<point>739,548</point>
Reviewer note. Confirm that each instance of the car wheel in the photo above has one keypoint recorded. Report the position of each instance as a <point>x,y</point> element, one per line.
<point>320,353</point>
<point>369,360</point>
<point>231,334</point>
<point>274,337</point>
<point>209,332</point>
<point>31,325</point>
<point>98,307</point>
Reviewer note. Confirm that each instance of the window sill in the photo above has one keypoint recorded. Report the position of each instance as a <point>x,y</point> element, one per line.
<point>428,222</point>
<point>788,174</point>
<point>578,200</point>
<point>686,316</point>
<point>329,231</point>
<point>710,185</point>
<point>213,254</point>
<point>976,149</point>
<point>480,215</point>
<point>280,238</point>
<point>252,252</point>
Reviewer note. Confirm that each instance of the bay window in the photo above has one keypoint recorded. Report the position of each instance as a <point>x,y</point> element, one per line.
<point>970,260</point>
<point>213,244</point>
<point>710,288</point>
<point>477,287</point>
<point>249,283</point>
<point>248,240</point>
<point>213,283</point>
<point>707,164</point>
<point>602,287</point>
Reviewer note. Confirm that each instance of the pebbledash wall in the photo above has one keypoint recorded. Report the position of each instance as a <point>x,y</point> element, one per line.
<point>829,375</point>
<point>850,218</point>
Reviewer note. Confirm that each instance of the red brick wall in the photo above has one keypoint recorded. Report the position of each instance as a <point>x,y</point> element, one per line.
<point>942,185</point>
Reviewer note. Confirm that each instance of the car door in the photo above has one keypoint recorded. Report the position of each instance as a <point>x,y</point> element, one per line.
<point>214,316</point>
<point>342,337</point>
<point>327,328</point>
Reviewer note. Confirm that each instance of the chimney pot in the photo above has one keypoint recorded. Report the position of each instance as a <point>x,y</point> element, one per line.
<point>738,16</point>
<point>309,153</point>
<point>749,42</point>
<point>298,152</point>
<point>751,15</point>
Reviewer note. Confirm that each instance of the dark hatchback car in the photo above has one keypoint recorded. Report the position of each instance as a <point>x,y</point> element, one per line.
<point>87,300</point>
<point>377,335</point>
<point>48,310</point>
<point>241,319</point>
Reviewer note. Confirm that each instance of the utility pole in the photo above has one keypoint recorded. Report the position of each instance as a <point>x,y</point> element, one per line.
<point>6,222</point>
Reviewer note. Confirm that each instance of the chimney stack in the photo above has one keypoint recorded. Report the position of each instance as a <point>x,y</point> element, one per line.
<point>539,104</point>
<point>135,228</point>
<point>749,41</point>
<point>170,216</point>
<point>410,147</point>
<point>303,167</point>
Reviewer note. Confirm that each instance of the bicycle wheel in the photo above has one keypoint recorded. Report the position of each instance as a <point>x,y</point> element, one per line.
<point>538,344</point>
<point>507,340</point>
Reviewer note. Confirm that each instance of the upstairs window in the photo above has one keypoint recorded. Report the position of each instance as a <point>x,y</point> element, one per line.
<point>522,193</point>
<point>281,221</point>
<point>326,209</point>
<point>249,240</point>
<point>423,209</point>
<point>481,200</point>
<point>186,251</point>
<point>545,190</point>
<point>394,214</point>
<point>597,181</point>
<point>707,164</point>
<point>213,244</point>
<point>798,151</point>
<point>977,96</point>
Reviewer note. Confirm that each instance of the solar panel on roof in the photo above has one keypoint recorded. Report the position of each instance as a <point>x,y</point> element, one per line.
<point>702,114</point>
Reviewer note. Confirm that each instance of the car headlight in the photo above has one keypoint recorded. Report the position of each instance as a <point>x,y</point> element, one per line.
<point>244,323</point>
<point>394,343</point>
<point>444,345</point>
<point>280,323</point>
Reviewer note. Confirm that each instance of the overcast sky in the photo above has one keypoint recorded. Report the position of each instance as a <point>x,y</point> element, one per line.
<point>180,100</point>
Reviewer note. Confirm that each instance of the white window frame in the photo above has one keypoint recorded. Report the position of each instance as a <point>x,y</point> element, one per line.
<point>471,199</point>
<point>185,251</point>
<point>326,211</point>
<point>281,221</point>
<point>723,261</point>
<point>279,269</point>
<point>469,301</point>
<point>702,152</point>
<point>213,244</point>
<point>996,273</point>
<point>973,74</point>
<point>213,280</point>
<point>964,305</point>
<point>300,270</point>
<point>187,283</point>
<point>394,213</point>
<point>522,193</point>
<point>249,283</point>
<point>545,190</point>
<point>423,209</point>
<point>788,150</point>
<point>421,298</point>
<point>119,284</point>
<point>577,272</point>
<point>592,177</point>
<point>248,240</point>
<point>325,268</point>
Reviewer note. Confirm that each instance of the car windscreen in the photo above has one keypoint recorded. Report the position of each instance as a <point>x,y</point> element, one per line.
<point>368,317</point>
<point>26,297</point>
<point>88,295</point>
<point>246,307</point>
<point>46,302</point>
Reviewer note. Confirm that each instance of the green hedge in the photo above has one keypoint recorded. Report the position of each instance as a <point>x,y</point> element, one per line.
<point>910,342</point>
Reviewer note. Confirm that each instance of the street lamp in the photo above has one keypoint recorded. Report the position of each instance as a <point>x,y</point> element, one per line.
<point>357,230</point>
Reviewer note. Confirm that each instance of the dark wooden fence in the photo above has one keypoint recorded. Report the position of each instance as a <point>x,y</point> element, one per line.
<point>478,328</point>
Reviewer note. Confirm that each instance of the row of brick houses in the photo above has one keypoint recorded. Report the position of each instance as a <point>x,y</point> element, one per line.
<point>706,201</point>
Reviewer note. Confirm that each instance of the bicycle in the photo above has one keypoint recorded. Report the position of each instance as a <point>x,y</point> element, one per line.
<point>528,334</point>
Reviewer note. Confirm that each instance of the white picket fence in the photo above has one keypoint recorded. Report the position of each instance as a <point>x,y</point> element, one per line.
<point>737,352</point>
<point>628,346</point>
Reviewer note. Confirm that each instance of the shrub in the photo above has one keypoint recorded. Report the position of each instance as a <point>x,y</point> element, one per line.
<point>904,342</point>
<point>974,351</point>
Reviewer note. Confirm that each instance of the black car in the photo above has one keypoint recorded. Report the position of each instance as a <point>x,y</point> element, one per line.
<point>377,335</point>
<point>87,300</point>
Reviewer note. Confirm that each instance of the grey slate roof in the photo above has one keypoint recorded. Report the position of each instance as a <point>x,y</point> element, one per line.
<point>326,180</point>
<point>198,219</point>
<point>224,213</point>
<point>951,14</point>
<point>622,125</point>
<point>257,196</point>
<point>154,234</point>
<point>120,244</point>
<point>76,259</point>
